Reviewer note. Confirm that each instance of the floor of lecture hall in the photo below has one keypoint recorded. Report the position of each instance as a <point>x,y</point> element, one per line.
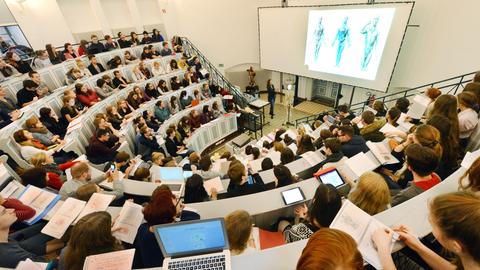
<point>281,115</point>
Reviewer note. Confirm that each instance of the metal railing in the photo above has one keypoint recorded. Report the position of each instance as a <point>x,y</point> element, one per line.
<point>215,74</point>
<point>447,86</point>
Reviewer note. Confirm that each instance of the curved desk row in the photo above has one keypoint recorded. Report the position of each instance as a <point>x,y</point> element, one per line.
<point>54,76</point>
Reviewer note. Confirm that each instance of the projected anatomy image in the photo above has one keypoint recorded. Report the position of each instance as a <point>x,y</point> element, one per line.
<point>347,42</point>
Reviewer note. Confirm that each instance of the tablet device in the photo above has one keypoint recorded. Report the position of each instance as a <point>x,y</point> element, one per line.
<point>293,196</point>
<point>332,177</point>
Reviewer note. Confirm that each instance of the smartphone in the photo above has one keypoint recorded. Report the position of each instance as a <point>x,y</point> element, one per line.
<point>331,119</point>
<point>250,180</point>
<point>112,167</point>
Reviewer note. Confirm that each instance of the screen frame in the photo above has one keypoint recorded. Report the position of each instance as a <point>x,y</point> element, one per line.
<point>331,171</point>
<point>198,252</point>
<point>293,203</point>
<point>353,5</point>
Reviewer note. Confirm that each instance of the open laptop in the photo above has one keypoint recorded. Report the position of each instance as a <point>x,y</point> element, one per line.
<point>173,177</point>
<point>199,244</point>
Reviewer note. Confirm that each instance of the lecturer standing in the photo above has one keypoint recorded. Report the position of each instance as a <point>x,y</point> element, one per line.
<point>271,96</point>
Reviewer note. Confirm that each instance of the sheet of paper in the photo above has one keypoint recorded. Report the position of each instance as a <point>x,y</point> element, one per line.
<point>128,221</point>
<point>98,202</point>
<point>217,165</point>
<point>256,165</point>
<point>307,128</point>
<point>254,241</point>
<point>360,226</point>
<point>470,158</point>
<point>368,108</point>
<point>293,147</point>
<point>382,153</point>
<point>275,157</point>
<point>63,218</point>
<point>118,260</point>
<point>388,128</point>
<point>213,183</point>
<point>38,199</point>
<point>291,133</point>
<point>227,97</point>
<point>360,164</point>
<point>9,189</point>
<point>418,106</point>
<point>30,265</point>
<point>312,158</point>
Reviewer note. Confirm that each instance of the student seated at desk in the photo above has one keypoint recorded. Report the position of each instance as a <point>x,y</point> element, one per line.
<point>193,162</point>
<point>115,118</point>
<point>370,193</point>
<point>101,123</point>
<point>450,149</point>
<point>241,183</point>
<point>351,144</point>
<point>457,235</point>
<point>147,143</point>
<point>333,152</point>
<point>103,89</point>
<point>122,162</point>
<point>185,100</point>
<point>99,150</point>
<point>287,156</point>
<point>41,133</point>
<point>175,82</point>
<point>142,174</point>
<point>161,111</point>
<point>330,247</point>
<point>22,211</point>
<point>305,145</point>
<point>173,148</point>
<point>205,169</point>
<point>69,111</point>
<point>28,94</point>
<point>12,252</point>
<point>371,127</point>
<point>124,109</point>
<point>151,91</point>
<point>324,207</point>
<point>81,175</point>
<point>422,162</point>
<point>30,146</point>
<point>37,177</point>
<point>50,120</point>
<point>283,176</point>
<point>55,172</point>
<point>163,208</point>
<point>119,81</point>
<point>239,231</point>
<point>91,235</point>
<point>195,191</point>
<point>88,97</point>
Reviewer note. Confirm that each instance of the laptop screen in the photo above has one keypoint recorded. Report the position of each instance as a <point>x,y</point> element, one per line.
<point>171,174</point>
<point>333,178</point>
<point>191,238</point>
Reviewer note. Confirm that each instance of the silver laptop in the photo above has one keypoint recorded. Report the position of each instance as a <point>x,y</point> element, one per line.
<point>199,244</point>
<point>174,177</point>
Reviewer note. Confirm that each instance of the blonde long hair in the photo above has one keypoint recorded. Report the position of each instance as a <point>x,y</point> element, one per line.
<point>371,193</point>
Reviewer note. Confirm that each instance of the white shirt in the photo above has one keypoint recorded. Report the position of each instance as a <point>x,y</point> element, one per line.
<point>468,120</point>
<point>159,71</point>
<point>29,151</point>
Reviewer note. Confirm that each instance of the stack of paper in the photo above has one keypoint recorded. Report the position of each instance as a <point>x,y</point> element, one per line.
<point>215,183</point>
<point>470,158</point>
<point>419,106</point>
<point>74,125</point>
<point>360,164</point>
<point>382,153</point>
<point>40,200</point>
<point>63,218</point>
<point>31,265</point>
<point>9,189</point>
<point>98,202</point>
<point>293,147</point>
<point>274,156</point>
<point>118,260</point>
<point>360,226</point>
<point>128,221</point>
<point>313,158</point>
<point>256,165</point>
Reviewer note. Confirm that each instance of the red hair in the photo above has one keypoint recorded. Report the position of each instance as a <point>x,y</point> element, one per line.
<point>330,249</point>
<point>160,209</point>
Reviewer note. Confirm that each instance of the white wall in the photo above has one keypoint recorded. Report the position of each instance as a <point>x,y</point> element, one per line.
<point>41,21</point>
<point>79,16</point>
<point>6,16</point>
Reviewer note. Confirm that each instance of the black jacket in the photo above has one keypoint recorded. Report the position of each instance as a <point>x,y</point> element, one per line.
<point>95,48</point>
<point>356,145</point>
<point>94,71</point>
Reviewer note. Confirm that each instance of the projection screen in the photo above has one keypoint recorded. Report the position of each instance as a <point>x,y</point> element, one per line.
<point>351,44</point>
